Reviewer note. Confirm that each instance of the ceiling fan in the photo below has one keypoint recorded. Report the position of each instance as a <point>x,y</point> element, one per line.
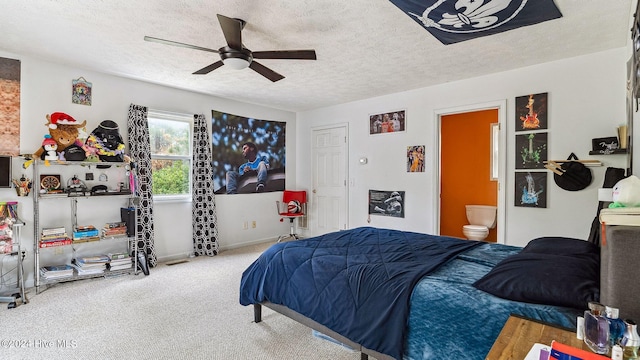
<point>236,56</point>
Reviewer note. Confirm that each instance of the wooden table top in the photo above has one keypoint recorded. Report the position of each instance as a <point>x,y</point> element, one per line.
<point>519,334</point>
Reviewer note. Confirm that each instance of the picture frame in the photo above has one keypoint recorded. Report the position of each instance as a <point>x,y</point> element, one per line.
<point>605,145</point>
<point>386,203</point>
<point>531,150</point>
<point>81,91</point>
<point>530,189</point>
<point>415,158</point>
<point>389,122</point>
<point>531,112</point>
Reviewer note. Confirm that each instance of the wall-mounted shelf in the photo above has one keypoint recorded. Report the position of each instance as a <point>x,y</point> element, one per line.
<point>610,152</point>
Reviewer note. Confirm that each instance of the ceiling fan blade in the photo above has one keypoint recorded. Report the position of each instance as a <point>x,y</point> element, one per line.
<point>285,54</point>
<point>175,43</point>
<point>210,68</point>
<point>232,29</point>
<point>265,71</point>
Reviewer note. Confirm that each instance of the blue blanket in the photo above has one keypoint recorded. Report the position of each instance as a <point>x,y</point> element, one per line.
<point>356,282</point>
<point>451,319</point>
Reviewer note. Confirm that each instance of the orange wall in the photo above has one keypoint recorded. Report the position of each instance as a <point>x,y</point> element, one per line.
<point>465,163</point>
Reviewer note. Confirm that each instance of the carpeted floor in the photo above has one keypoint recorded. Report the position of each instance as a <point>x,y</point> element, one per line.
<point>188,310</point>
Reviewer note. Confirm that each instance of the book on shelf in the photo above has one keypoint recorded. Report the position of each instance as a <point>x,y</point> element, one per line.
<point>620,216</point>
<point>56,271</point>
<point>54,243</point>
<point>54,231</point>
<point>120,267</point>
<point>120,262</point>
<point>114,231</point>
<point>58,268</point>
<point>116,224</point>
<point>85,228</point>
<point>54,237</point>
<point>92,259</point>
<point>89,270</point>
<point>85,239</point>
<point>85,231</point>
<point>117,256</point>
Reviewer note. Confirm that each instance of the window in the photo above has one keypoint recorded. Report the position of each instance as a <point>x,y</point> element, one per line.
<point>170,139</point>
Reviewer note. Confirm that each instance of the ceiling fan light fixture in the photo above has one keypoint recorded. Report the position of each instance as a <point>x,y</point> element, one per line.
<point>236,63</point>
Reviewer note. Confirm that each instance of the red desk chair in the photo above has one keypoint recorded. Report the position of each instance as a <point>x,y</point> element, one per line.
<point>293,205</point>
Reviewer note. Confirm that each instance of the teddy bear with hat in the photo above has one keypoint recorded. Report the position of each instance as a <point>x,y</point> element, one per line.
<point>64,131</point>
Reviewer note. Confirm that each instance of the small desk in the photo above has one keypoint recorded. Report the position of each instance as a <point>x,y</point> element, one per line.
<point>519,334</point>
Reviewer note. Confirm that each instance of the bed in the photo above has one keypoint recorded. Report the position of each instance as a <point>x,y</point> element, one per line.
<point>394,294</point>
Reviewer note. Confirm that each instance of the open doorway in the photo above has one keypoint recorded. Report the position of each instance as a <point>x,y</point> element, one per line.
<point>468,150</point>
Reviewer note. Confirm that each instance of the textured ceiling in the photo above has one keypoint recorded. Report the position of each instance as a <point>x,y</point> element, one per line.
<point>365,48</point>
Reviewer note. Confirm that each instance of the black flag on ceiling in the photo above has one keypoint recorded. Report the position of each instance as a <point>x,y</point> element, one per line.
<point>452,21</point>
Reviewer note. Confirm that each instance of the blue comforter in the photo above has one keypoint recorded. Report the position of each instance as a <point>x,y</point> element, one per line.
<point>356,282</point>
<point>451,319</point>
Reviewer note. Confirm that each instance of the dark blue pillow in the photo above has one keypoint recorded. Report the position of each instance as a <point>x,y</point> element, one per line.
<point>560,246</point>
<point>548,279</point>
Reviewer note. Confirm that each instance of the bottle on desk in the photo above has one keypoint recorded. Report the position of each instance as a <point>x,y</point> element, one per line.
<point>596,329</point>
<point>616,325</point>
<point>630,341</point>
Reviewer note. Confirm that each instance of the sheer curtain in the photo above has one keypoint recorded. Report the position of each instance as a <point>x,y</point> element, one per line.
<point>138,131</point>
<point>205,223</point>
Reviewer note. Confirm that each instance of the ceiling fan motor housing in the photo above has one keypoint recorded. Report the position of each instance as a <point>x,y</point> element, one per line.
<point>229,53</point>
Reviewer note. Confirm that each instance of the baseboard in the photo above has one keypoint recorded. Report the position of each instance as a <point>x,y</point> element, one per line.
<point>173,257</point>
<point>180,256</point>
<point>247,243</point>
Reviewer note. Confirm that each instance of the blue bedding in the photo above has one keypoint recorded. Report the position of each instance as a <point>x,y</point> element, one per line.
<point>404,294</point>
<point>451,319</point>
<point>356,282</point>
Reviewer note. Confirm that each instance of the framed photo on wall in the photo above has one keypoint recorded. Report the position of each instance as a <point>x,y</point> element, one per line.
<point>386,203</point>
<point>415,158</point>
<point>531,112</point>
<point>81,91</point>
<point>531,150</point>
<point>531,189</point>
<point>390,122</point>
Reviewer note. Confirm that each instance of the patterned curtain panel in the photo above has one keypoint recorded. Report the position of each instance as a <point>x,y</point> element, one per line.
<point>205,223</point>
<point>141,154</point>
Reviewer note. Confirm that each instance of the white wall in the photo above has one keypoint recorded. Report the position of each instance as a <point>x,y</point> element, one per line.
<point>46,88</point>
<point>586,100</point>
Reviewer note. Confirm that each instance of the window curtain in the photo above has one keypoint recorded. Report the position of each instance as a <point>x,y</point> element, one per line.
<point>205,223</point>
<point>140,149</point>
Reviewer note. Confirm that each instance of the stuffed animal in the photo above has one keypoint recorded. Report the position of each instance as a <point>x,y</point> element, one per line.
<point>49,148</point>
<point>63,129</point>
<point>626,193</point>
<point>106,142</point>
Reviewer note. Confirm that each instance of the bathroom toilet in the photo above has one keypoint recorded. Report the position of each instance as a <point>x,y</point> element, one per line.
<point>481,218</point>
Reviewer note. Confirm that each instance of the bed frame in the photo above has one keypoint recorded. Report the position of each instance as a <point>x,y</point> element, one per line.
<point>364,352</point>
